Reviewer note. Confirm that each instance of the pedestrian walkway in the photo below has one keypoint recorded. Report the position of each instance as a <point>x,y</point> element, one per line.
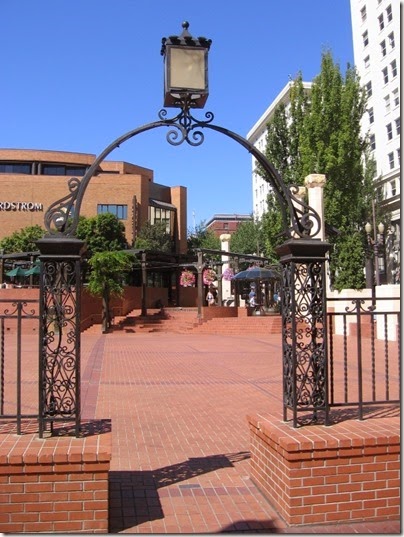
<point>180,456</point>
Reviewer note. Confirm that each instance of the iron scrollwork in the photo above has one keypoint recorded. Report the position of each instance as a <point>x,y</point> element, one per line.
<point>299,219</point>
<point>304,339</point>
<point>185,126</point>
<point>60,368</point>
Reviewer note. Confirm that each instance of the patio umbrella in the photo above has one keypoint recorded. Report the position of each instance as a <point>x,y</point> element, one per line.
<point>35,269</point>
<point>15,272</point>
<point>257,273</point>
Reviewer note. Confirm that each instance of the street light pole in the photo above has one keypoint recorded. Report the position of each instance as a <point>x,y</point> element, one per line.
<point>376,259</point>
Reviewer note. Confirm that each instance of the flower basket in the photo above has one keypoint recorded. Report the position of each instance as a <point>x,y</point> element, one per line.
<point>209,276</point>
<point>187,278</point>
<point>228,274</point>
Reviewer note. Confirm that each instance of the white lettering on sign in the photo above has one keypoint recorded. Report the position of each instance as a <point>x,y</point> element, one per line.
<point>20,206</point>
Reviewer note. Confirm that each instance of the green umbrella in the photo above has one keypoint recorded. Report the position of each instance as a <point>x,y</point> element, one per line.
<point>17,271</point>
<point>35,269</point>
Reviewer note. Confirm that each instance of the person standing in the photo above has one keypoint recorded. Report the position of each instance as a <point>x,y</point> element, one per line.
<point>210,298</point>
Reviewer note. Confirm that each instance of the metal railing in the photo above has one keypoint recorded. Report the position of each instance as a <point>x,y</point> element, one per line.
<point>364,353</point>
<point>18,362</point>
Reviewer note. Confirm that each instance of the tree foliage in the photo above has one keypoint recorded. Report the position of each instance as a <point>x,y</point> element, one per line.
<point>248,238</point>
<point>108,270</point>
<point>154,237</point>
<point>202,238</point>
<point>102,233</point>
<point>323,135</point>
<point>23,240</point>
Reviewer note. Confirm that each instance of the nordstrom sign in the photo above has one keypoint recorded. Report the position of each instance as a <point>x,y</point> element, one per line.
<point>20,206</point>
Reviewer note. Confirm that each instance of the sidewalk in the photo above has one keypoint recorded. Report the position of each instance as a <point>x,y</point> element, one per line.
<point>178,405</point>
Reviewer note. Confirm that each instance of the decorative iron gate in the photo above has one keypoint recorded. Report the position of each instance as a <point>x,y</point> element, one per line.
<point>364,338</point>
<point>19,328</point>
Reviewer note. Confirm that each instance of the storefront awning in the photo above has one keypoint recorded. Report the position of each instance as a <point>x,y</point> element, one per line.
<point>162,204</point>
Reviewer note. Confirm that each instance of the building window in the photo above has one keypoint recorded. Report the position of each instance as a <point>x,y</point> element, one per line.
<point>387,103</point>
<point>383,47</point>
<point>391,160</point>
<point>61,169</point>
<point>393,68</point>
<point>389,13</point>
<point>225,225</point>
<point>385,75</point>
<point>393,187</point>
<point>368,88</point>
<point>363,13</point>
<point>120,211</point>
<point>396,97</point>
<point>391,40</point>
<point>371,115</point>
<point>381,22</point>
<point>164,215</point>
<point>15,167</point>
<point>367,62</point>
<point>365,37</point>
<point>372,142</point>
<point>398,126</point>
<point>389,131</point>
<point>399,156</point>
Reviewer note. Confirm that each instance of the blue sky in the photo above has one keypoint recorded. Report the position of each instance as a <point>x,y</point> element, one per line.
<point>77,74</point>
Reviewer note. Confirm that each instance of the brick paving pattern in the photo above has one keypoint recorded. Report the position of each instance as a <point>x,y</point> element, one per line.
<point>180,456</point>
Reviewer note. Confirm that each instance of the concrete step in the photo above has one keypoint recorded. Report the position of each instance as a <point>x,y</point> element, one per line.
<point>185,320</point>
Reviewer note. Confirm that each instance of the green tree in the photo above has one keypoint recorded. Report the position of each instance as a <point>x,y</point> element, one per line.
<point>23,240</point>
<point>154,237</point>
<point>323,135</point>
<point>248,238</point>
<point>108,270</point>
<point>102,233</point>
<point>202,238</point>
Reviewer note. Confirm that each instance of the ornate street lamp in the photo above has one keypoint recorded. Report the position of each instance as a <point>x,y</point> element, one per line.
<point>377,245</point>
<point>185,69</point>
<point>302,256</point>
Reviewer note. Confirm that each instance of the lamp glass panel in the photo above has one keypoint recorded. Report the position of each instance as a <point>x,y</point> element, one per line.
<point>187,68</point>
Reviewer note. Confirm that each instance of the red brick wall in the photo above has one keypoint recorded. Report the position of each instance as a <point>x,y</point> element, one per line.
<point>316,474</point>
<point>217,312</point>
<point>130,181</point>
<point>57,484</point>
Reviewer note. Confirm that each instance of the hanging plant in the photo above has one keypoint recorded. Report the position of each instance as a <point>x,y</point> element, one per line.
<point>209,276</point>
<point>228,274</point>
<point>187,278</point>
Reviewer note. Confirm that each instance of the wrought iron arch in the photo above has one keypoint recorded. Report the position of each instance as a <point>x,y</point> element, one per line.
<point>62,217</point>
<point>303,275</point>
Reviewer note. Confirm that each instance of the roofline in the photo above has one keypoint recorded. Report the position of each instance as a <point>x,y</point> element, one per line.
<point>280,98</point>
<point>233,216</point>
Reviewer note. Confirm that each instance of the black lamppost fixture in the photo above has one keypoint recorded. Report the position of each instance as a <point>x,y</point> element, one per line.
<point>376,243</point>
<point>185,69</point>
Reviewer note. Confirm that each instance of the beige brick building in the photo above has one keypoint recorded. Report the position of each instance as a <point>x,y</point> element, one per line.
<point>31,180</point>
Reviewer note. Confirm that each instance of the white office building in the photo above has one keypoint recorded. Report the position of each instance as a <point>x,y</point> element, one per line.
<point>376,43</point>
<point>258,137</point>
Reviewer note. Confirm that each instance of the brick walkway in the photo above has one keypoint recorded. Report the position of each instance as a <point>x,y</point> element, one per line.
<point>178,404</point>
